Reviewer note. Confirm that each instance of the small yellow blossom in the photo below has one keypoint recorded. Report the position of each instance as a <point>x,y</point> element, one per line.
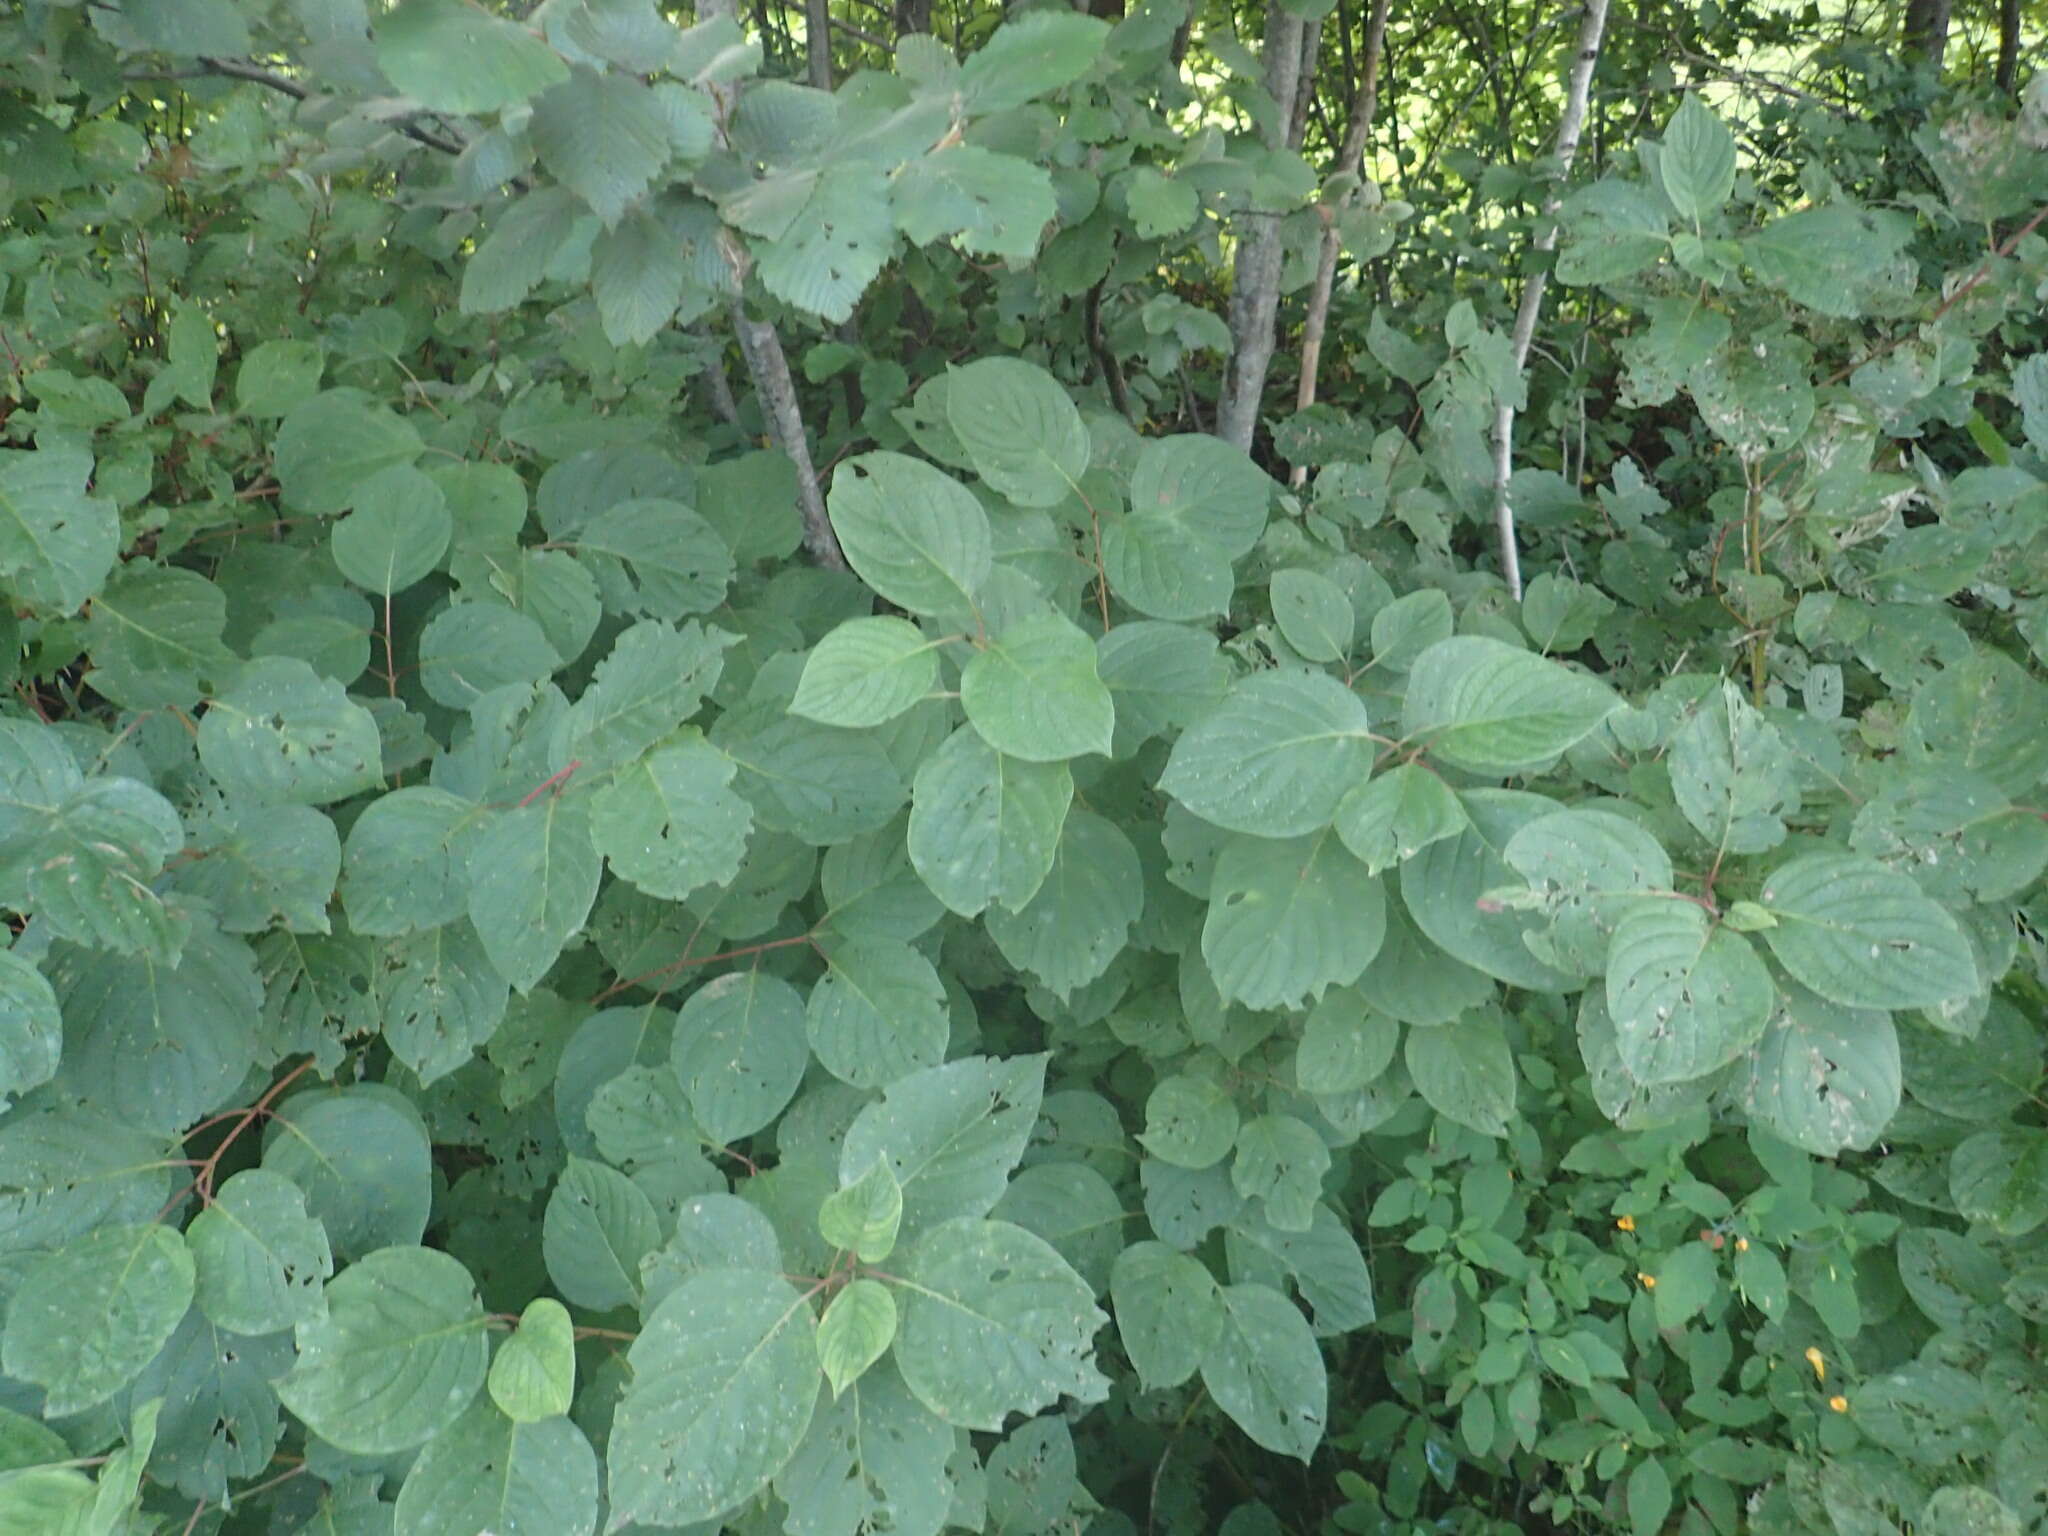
<point>1626,1223</point>
<point>1742,1245</point>
<point>1649,1281</point>
<point>1819,1364</point>
<point>1839,1403</point>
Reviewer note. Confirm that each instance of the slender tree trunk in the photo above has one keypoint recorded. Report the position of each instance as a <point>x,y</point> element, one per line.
<point>1255,286</point>
<point>1592,25</point>
<point>818,42</point>
<point>2008,77</point>
<point>1925,35</point>
<point>1349,160</point>
<point>913,16</point>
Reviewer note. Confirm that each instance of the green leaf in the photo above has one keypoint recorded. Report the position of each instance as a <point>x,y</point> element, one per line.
<point>361,1156</point>
<point>219,1423</point>
<point>487,1472</point>
<point>599,1225</point>
<point>1697,167</point>
<point>1999,1178</point>
<point>88,1317</point>
<point>64,1173</point>
<point>283,735</point>
<point>1168,1312</point>
<point>654,679</point>
<point>533,1375</point>
<point>822,784</point>
<point>277,377</point>
<point>328,449</point>
<point>866,672</point>
<point>398,1356</point>
<point>1732,774</point>
<point>1590,869</point>
<point>1160,205</point>
<point>31,1028</point>
<point>1276,758</point>
<point>995,1322</point>
<point>984,827</point>
<point>261,1260</point>
<point>523,244</point>
<point>951,1135</point>
<point>1649,1485</point>
<point>469,650</point>
<point>875,1459</point>
<point>1345,1044</point>
<point>604,136</point>
<point>1616,228</point>
<point>1019,427</point>
<point>865,1215</point>
<point>398,533</point>
<point>1197,504</point>
<point>57,542</point>
<point>154,633</point>
<point>1190,1121</point>
<point>857,1329</point>
<point>1281,1160</point>
<point>1266,1371</point>
<point>740,1052</point>
<point>668,823</point>
<point>1863,936</point>
<point>1033,692</point>
<point>1465,1072</point>
<point>1687,996</point>
<point>836,245</point>
<point>1160,677</point>
<point>1313,614</point>
<point>638,273</point>
<point>265,865</point>
<point>533,875</point>
<point>1080,918</point>
<point>1288,919</point>
<point>451,57</point>
<point>1389,819</point>
<point>1485,706</point>
<point>1444,885</point>
<point>918,537</point>
<point>994,204</point>
<point>1027,57</point>
<point>656,557</point>
<point>724,1381</point>
<point>878,1014</point>
<point>441,999</point>
<point>1823,1077</point>
<point>1686,1282</point>
<point>1323,1261</point>
<point>83,855</point>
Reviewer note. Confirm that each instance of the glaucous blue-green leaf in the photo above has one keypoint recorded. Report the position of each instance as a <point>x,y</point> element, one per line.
<point>875,1459</point>
<point>1396,815</point>
<point>865,1215</point>
<point>725,1379</point>
<point>487,1472</point>
<point>865,672</point>
<point>219,1423</point>
<point>1493,709</point>
<point>1590,868</point>
<point>1197,504</point>
<point>652,681</point>
<point>31,1028</point>
<point>820,783</point>
<point>451,57</point>
<point>524,241</point>
<point>266,865</point>
<point>1409,625</point>
<point>1687,994</point>
<point>468,650</point>
<point>1020,428</point>
<point>951,1134</point>
<point>1613,228</point>
<point>1465,1072</point>
<point>1033,692</point>
<point>1313,613</point>
<point>1732,774</point>
<point>1864,936</point>
<point>995,1322</point>
<point>1697,167</point>
<point>399,1353</point>
<point>878,1014</point>
<point>57,542</point>
<point>329,448</point>
<point>1265,1370</point>
<point>360,1153</point>
<point>604,136</point>
<point>857,1329</point>
<point>984,827</point>
<point>1442,887</point>
<point>669,823</point>
<point>870,889</point>
<point>1823,1077</point>
<point>835,246</point>
<point>1281,1160</point>
<point>1160,677</point>
<point>83,855</point>
<point>638,271</point>
<point>154,633</point>
<point>1168,1312</point>
<point>1955,833</point>
<point>440,998</point>
<point>1074,1208</point>
<point>1160,205</point>
<point>1080,918</point>
<point>85,1319</point>
<point>159,1045</point>
<point>65,1172</point>
<point>1289,918</point>
<point>1276,758</point>
<point>533,1374</point>
<point>1190,1121</point>
<point>1999,1178</point>
<point>739,1052</point>
<point>261,1259</point>
<point>1345,1043</point>
<point>397,534</point>
<point>641,1118</point>
<point>533,874</point>
<point>277,377</point>
<point>994,204</point>
<point>1028,57</point>
<point>915,535</point>
<point>1323,1261</point>
<point>713,1231</point>
<point>1033,1480</point>
<point>599,1225</point>
<point>284,735</point>
<point>1980,714</point>
<point>655,556</point>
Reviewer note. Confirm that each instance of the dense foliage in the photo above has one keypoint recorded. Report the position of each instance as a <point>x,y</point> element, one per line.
<point>686,856</point>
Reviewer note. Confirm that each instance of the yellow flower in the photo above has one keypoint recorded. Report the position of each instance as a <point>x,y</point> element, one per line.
<point>1649,1281</point>
<point>1839,1403</point>
<point>1742,1245</point>
<point>1819,1364</point>
<point>1626,1223</point>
